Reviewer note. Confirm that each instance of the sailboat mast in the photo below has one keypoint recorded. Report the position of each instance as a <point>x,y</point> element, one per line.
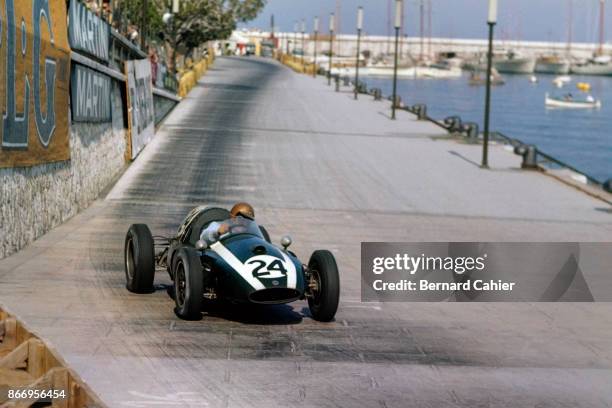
<point>422,28</point>
<point>429,29</point>
<point>388,27</point>
<point>402,30</point>
<point>570,28</point>
<point>602,31</point>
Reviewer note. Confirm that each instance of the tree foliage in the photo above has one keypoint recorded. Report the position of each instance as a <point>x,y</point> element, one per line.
<point>197,21</point>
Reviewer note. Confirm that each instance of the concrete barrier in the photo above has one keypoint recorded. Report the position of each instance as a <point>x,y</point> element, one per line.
<point>295,63</point>
<point>190,76</point>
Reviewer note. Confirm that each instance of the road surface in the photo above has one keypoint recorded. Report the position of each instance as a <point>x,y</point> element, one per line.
<point>332,172</point>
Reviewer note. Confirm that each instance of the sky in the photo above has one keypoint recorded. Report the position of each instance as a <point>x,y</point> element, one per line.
<point>536,20</point>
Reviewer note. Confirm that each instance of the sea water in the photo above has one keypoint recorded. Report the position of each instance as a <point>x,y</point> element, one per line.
<point>581,138</point>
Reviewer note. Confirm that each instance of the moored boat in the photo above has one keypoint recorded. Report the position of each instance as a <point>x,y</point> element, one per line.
<point>552,65</point>
<point>601,65</point>
<point>476,79</point>
<point>434,72</point>
<point>569,102</point>
<point>561,80</point>
<point>512,63</point>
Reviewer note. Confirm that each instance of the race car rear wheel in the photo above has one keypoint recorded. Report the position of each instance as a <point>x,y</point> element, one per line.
<point>324,286</point>
<point>139,259</point>
<point>188,285</point>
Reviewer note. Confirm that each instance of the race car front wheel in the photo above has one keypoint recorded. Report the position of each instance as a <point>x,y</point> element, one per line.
<point>324,286</point>
<point>188,285</point>
<point>139,259</point>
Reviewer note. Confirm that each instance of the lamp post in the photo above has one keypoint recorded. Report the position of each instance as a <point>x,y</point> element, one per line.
<point>398,24</point>
<point>316,34</point>
<point>168,19</point>
<point>303,49</point>
<point>331,45</point>
<point>359,28</point>
<point>491,21</point>
<point>295,36</point>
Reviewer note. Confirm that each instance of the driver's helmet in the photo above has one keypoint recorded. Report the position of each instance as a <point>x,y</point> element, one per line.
<point>243,209</point>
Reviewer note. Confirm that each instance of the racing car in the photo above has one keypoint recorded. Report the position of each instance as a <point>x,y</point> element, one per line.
<point>241,266</point>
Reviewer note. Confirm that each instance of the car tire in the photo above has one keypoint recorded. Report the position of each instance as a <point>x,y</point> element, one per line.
<point>323,302</point>
<point>188,284</point>
<point>265,234</point>
<point>139,259</point>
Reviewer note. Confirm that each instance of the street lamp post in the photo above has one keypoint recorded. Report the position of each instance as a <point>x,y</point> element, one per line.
<point>316,34</point>
<point>491,21</point>
<point>331,45</point>
<point>359,28</point>
<point>398,24</point>
<point>295,36</point>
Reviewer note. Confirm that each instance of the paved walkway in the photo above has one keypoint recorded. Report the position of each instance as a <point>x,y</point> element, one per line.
<point>332,172</point>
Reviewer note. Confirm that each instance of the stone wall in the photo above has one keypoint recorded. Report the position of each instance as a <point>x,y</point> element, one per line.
<point>42,197</point>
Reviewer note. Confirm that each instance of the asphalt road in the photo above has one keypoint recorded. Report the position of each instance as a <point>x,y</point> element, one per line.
<point>331,172</point>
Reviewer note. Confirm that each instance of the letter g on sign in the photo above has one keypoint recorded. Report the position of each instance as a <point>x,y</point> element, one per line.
<point>45,125</point>
<point>15,125</point>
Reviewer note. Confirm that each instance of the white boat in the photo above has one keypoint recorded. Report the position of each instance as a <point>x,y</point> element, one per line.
<point>375,72</point>
<point>438,72</point>
<point>552,65</point>
<point>601,65</point>
<point>513,63</point>
<point>409,72</point>
<point>508,62</point>
<point>589,103</point>
<point>563,79</point>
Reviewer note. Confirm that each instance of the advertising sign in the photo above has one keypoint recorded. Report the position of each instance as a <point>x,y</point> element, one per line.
<point>91,95</point>
<point>88,32</point>
<point>34,82</point>
<point>141,115</point>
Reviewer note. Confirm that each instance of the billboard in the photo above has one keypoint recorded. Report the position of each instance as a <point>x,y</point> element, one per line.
<point>88,32</point>
<point>141,115</point>
<point>91,95</point>
<point>34,82</point>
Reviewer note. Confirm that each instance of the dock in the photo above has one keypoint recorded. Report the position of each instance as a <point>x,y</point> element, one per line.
<point>331,172</point>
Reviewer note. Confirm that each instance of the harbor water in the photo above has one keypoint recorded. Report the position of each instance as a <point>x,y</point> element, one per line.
<point>579,137</point>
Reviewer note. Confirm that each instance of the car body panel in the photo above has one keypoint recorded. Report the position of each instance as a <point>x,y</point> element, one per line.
<point>246,264</point>
<point>244,267</point>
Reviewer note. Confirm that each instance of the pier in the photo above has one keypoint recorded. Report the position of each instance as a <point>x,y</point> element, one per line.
<point>332,172</point>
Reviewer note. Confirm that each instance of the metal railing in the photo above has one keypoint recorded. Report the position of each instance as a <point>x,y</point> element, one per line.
<point>532,156</point>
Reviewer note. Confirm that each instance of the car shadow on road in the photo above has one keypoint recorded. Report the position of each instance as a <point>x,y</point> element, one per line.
<point>247,313</point>
<point>252,314</point>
